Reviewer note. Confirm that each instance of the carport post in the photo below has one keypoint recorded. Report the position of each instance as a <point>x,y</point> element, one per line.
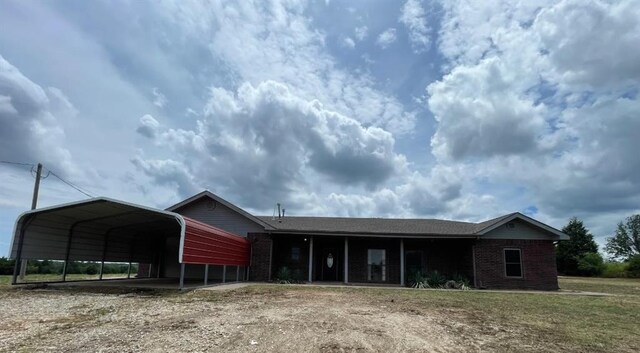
<point>181,276</point>
<point>206,274</point>
<point>346,260</point>
<point>402,262</point>
<point>224,273</point>
<point>104,253</point>
<point>129,270</point>
<point>310,257</point>
<point>238,273</point>
<point>16,268</point>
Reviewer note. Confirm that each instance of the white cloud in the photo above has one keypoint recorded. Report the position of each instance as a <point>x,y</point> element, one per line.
<point>413,16</point>
<point>159,99</point>
<point>386,38</point>
<point>284,141</point>
<point>348,43</point>
<point>30,130</point>
<point>543,100</point>
<point>148,126</point>
<point>361,32</point>
<point>292,52</point>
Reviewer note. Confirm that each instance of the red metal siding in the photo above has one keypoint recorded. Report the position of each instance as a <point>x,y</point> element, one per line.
<point>204,244</point>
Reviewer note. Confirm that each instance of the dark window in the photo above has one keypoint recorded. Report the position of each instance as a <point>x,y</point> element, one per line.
<point>512,263</point>
<point>295,253</point>
<point>377,265</point>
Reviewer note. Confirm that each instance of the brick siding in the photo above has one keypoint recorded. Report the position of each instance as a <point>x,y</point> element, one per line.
<point>538,264</point>
<point>260,256</point>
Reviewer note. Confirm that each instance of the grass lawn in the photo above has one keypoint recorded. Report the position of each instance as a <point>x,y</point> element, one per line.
<point>306,318</point>
<point>5,280</point>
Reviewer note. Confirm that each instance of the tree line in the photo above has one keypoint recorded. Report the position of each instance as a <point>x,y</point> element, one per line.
<point>74,267</point>
<point>579,255</point>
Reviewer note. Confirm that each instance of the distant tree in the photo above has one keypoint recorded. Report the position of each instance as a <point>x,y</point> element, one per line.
<point>590,264</point>
<point>626,242</point>
<point>569,252</point>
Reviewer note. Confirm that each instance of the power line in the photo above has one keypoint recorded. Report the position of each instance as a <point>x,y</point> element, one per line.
<point>49,172</point>
<point>17,163</point>
<point>70,184</point>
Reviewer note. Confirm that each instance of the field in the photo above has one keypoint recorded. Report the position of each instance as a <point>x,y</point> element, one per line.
<point>306,318</point>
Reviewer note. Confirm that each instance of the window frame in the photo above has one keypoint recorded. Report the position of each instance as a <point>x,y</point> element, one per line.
<point>384,265</point>
<point>505,263</point>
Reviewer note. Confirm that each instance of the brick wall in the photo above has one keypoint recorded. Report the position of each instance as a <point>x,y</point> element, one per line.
<point>538,264</point>
<point>260,256</point>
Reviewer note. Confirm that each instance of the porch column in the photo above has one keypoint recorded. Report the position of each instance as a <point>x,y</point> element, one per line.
<point>402,262</point>
<point>206,274</point>
<point>310,258</point>
<point>346,260</point>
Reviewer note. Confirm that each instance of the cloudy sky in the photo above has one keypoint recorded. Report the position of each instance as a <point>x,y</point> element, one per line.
<point>449,109</point>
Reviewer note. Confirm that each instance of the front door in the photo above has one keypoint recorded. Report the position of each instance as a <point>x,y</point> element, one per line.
<point>329,267</point>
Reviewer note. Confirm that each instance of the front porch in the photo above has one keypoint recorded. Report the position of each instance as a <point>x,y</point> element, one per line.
<point>368,260</point>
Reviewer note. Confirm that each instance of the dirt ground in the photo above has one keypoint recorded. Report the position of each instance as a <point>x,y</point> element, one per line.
<point>234,321</point>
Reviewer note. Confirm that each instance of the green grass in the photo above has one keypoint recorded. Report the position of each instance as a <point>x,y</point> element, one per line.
<point>627,286</point>
<point>6,279</point>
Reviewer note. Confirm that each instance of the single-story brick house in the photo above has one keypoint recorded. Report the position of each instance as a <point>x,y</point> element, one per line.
<point>511,251</point>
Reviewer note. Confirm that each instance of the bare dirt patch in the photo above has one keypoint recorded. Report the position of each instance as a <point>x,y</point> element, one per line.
<point>237,321</point>
<point>258,319</point>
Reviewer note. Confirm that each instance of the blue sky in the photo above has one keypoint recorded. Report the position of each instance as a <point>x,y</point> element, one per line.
<point>453,109</point>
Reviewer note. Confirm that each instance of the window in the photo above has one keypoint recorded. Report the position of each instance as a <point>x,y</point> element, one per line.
<point>377,265</point>
<point>512,263</point>
<point>295,253</point>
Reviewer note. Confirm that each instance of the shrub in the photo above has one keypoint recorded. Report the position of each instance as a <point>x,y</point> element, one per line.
<point>284,275</point>
<point>436,280</point>
<point>633,266</point>
<point>615,269</point>
<point>417,280</point>
<point>590,264</point>
<point>6,266</point>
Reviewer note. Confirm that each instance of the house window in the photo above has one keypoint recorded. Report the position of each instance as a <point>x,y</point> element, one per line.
<point>513,263</point>
<point>377,265</point>
<point>295,253</point>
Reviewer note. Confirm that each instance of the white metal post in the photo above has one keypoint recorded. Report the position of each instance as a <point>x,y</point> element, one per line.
<point>238,273</point>
<point>402,262</point>
<point>310,259</point>
<point>346,260</point>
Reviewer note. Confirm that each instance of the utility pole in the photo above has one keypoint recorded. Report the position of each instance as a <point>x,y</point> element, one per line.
<point>34,203</point>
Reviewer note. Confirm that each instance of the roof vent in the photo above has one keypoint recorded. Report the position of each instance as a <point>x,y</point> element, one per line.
<point>511,225</point>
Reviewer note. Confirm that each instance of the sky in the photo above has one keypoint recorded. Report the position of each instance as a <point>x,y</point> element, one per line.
<point>461,110</point>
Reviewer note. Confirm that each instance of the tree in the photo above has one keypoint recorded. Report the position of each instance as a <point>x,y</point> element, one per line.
<point>569,252</point>
<point>590,264</point>
<point>626,242</point>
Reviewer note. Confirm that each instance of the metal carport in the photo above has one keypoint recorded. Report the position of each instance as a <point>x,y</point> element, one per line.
<point>107,230</point>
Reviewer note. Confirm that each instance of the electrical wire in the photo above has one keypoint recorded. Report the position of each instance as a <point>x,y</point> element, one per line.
<point>70,184</point>
<point>49,171</point>
<point>18,163</point>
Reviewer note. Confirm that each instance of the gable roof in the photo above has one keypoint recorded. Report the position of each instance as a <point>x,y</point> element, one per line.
<point>391,226</point>
<point>212,196</point>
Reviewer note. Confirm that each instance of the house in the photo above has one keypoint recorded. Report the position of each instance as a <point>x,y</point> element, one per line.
<point>207,239</point>
<point>511,251</point>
